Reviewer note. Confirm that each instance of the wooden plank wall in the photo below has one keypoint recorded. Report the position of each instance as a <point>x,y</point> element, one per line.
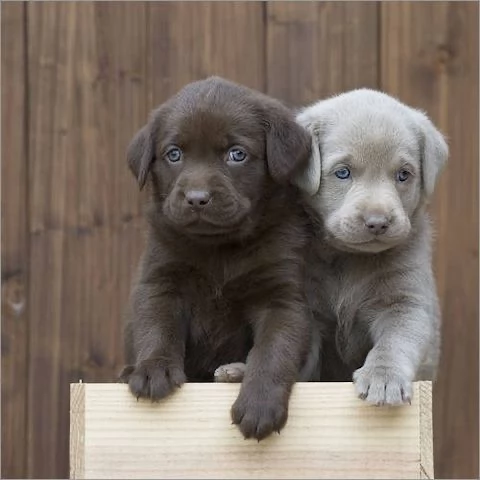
<point>15,256</point>
<point>78,79</point>
<point>429,57</point>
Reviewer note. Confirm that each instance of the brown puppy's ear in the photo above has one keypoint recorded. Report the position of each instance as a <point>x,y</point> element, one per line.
<point>288,144</point>
<point>434,151</point>
<point>140,154</point>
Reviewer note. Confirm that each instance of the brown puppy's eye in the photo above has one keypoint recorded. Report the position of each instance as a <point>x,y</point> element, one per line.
<point>237,155</point>
<point>174,155</point>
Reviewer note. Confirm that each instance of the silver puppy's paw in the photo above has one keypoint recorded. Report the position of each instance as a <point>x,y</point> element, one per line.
<point>382,385</point>
<point>230,373</point>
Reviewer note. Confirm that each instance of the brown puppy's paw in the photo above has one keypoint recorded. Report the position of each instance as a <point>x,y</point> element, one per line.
<point>154,379</point>
<point>230,373</point>
<point>382,385</point>
<point>260,411</point>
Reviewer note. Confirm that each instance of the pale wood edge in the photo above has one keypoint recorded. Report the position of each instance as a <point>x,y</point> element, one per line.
<point>77,430</point>
<point>426,430</point>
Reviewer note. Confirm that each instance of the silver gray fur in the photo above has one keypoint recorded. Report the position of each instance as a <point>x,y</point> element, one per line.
<point>375,295</point>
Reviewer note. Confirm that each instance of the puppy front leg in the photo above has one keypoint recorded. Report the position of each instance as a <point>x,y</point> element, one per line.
<point>281,337</point>
<point>155,338</point>
<point>310,371</point>
<point>401,338</point>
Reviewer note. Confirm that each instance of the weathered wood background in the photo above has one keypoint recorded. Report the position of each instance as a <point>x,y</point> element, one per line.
<point>78,79</point>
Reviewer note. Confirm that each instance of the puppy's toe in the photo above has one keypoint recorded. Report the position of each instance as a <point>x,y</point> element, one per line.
<point>230,373</point>
<point>362,384</point>
<point>163,381</point>
<point>176,376</point>
<point>393,393</point>
<point>138,384</point>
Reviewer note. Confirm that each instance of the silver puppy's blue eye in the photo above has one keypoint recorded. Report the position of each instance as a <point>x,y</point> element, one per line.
<point>342,173</point>
<point>403,175</point>
<point>237,155</point>
<point>174,155</point>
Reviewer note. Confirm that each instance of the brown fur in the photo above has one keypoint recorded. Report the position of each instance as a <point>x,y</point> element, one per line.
<point>225,283</point>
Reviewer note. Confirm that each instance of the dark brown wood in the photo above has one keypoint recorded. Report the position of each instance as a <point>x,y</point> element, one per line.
<point>318,49</point>
<point>87,95</point>
<point>14,243</point>
<point>429,58</point>
<point>192,40</point>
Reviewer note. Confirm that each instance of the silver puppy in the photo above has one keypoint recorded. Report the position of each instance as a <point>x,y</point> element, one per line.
<point>374,166</point>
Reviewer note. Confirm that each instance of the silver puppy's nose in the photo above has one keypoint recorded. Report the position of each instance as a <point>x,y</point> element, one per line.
<point>198,198</point>
<point>377,224</point>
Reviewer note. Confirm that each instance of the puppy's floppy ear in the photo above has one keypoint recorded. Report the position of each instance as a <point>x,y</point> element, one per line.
<point>308,178</point>
<point>141,153</point>
<point>434,151</point>
<point>288,144</point>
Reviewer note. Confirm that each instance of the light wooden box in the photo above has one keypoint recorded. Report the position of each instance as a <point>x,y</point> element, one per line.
<point>330,433</point>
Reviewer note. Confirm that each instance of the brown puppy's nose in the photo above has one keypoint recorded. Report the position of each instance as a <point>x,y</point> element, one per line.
<point>377,224</point>
<point>198,198</point>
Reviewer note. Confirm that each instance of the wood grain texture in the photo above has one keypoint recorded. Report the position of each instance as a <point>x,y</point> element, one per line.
<point>87,95</point>
<point>14,242</point>
<point>317,49</point>
<point>189,41</point>
<point>77,430</point>
<point>426,430</point>
<point>429,59</point>
<point>330,433</point>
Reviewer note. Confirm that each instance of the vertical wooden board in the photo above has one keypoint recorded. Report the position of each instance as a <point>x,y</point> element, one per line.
<point>14,242</point>
<point>429,59</point>
<point>426,429</point>
<point>77,430</point>
<point>189,41</point>
<point>317,49</point>
<point>87,95</point>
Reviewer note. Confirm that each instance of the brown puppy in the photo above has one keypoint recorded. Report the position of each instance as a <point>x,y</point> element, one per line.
<point>221,279</point>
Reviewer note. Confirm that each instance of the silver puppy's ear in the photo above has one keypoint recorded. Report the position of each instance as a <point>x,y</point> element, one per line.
<point>434,151</point>
<point>140,154</point>
<point>308,178</point>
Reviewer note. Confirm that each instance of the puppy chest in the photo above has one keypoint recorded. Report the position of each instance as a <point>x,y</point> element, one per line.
<point>218,332</point>
<point>211,308</point>
<point>338,293</point>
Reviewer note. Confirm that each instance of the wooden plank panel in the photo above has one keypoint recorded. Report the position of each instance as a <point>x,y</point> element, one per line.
<point>87,94</point>
<point>192,40</point>
<point>14,243</point>
<point>430,59</point>
<point>317,49</point>
<point>330,433</point>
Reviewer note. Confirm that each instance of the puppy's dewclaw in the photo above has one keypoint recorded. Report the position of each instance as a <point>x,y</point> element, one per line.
<point>373,168</point>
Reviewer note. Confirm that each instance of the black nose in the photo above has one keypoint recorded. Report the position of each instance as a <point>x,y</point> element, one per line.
<point>198,198</point>
<point>377,224</point>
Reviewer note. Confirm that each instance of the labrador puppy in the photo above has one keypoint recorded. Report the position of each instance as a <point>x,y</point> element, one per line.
<point>373,169</point>
<point>222,277</point>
